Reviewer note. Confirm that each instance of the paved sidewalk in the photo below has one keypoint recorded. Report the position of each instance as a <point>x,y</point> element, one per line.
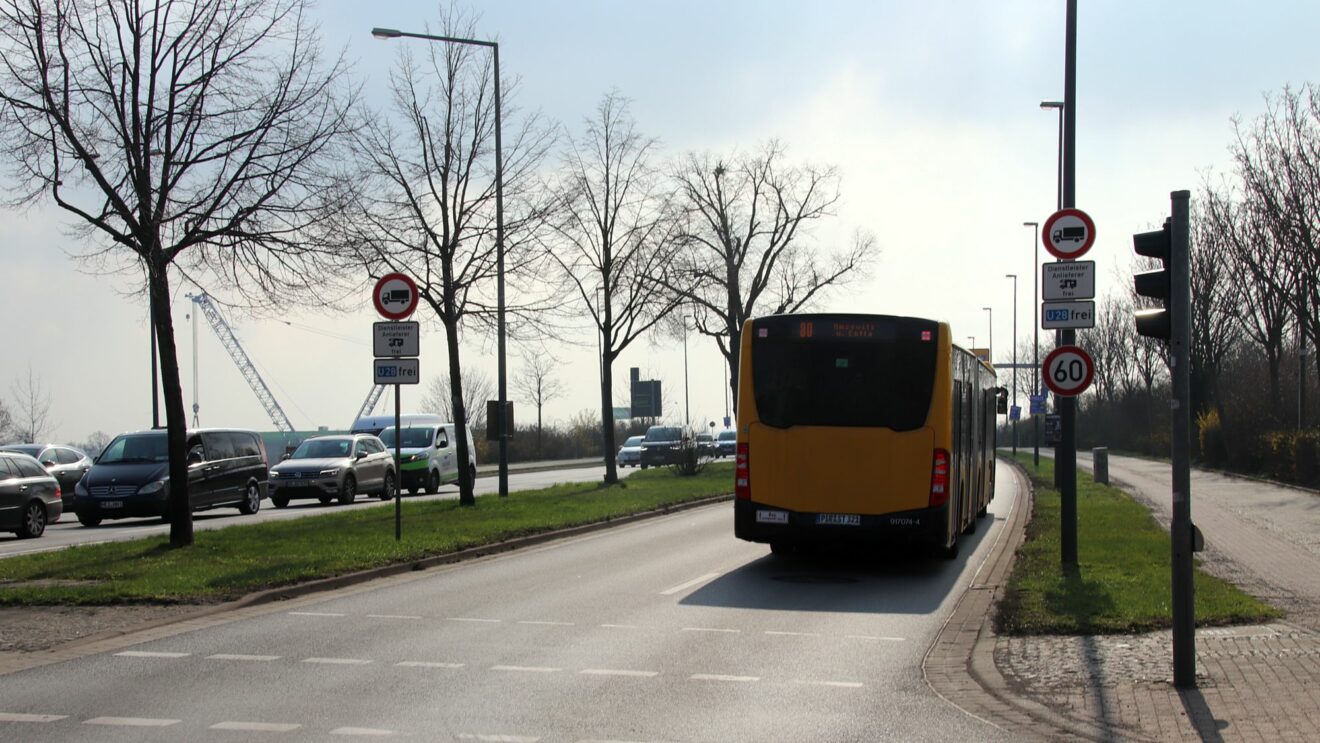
<point>1258,683</point>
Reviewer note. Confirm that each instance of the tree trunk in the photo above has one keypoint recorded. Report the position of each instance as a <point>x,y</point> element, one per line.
<point>735,348</point>
<point>176,420</point>
<point>466,497</point>
<point>607,419</point>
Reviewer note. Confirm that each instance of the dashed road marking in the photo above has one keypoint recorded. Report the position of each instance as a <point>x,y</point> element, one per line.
<point>620,626</point>
<point>548,624</point>
<point>426,664</point>
<point>137,722</point>
<point>361,731</point>
<point>711,629</point>
<point>497,738</point>
<point>880,639</point>
<point>257,727</point>
<point>722,677</point>
<point>526,669</point>
<point>473,619</point>
<point>150,654</point>
<point>338,661</point>
<point>24,717</point>
<point>684,586</point>
<point>392,616</point>
<point>836,684</point>
<point>617,672</point>
<point>792,634</point>
<point>314,614</point>
<point>233,656</point>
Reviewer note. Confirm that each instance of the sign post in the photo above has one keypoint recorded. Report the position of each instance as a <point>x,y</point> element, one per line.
<point>395,298</point>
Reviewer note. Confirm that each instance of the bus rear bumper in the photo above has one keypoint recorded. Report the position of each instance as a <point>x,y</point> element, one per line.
<point>755,522</point>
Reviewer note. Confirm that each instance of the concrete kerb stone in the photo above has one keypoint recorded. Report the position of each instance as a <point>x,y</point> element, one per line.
<point>964,649</point>
<point>102,642</point>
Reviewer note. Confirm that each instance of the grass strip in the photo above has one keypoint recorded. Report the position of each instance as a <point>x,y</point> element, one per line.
<point>227,563</point>
<point>1122,583</point>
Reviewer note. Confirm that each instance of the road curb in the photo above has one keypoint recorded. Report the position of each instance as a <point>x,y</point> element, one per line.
<point>208,615</point>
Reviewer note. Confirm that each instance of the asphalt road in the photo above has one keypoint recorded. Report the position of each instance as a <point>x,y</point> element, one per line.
<point>69,532</point>
<point>666,629</point>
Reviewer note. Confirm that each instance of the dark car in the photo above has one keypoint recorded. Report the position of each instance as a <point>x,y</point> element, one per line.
<point>662,445</point>
<point>706,446</point>
<point>29,496</point>
<point>226,467</point>
<point>727,442</point>
<point>65,463</point>
<point>329,467</point>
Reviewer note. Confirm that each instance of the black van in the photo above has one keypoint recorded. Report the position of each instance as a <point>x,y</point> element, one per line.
<point>226,467</point>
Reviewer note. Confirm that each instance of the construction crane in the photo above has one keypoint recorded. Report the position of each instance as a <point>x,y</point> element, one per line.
<point>369,405</point>
<point>241,360</point>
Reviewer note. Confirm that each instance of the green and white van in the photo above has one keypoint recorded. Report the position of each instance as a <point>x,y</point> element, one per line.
<point>429,449</point>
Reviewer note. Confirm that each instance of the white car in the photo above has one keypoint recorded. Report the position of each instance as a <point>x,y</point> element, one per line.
<point>630,454</point>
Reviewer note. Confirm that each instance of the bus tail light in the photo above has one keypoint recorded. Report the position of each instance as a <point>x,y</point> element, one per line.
<point>939,478</point>
<point>742,473</point>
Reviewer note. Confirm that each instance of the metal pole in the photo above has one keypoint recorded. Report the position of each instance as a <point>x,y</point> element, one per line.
<point>398,458</point>
<point>1015,365</point>
<point>499,281</point>
<point>990,344</point>
<point>155,382</point>
<point>1035,343</point>
<point>687,412</point>
<point>1180,529</point>
<point>1065,464</point>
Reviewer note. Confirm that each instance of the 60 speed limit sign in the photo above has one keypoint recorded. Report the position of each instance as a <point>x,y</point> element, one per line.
<point>1068,370</point>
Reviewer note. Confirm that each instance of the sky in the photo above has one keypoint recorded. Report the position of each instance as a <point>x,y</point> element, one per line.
<point>929,110</point>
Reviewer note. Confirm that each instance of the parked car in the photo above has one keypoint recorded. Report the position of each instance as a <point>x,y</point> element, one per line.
<point>727,443</point>
<point>429,454</point>
<point>29,496</point>
<point>630,454</point>
<point>66,463</point>
<point>662,445</point>
<point>226,467</point>
<point>329,467</point>
<point>706,446</point>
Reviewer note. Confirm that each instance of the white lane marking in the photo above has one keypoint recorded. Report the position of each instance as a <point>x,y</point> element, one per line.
<point>361,731</point>
<point>497,738</point>
<point>870,637</point>
<point>138,722</point>
<point>710,629</point>
<point>548,624</point>
<point>232,656</point>
<point>393,616</point>
<point>22,717</point>
<point>338,661</point>
<point>836,684</point>
<point>684,586</point>
<point>426,664</point>
<point>614,672</point>
<point>526,669</point>
<point>792,634</point>
<point>620,626</point>
<point>472,619</point>
<point>313,614</point>
<point>257,727</point>
<point>721,677</point>
<point>150,654</point>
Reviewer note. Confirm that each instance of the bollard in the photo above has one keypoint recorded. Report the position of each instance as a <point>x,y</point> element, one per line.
<point>1100,464</point>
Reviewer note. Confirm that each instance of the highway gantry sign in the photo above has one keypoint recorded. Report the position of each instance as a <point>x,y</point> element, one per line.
<point>1067,371</point>
<point>1068,234</point>
<point>395,296</point>
<point>1067,280</point>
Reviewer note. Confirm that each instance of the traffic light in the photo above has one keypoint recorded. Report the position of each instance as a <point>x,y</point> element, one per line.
<point>1156,321</point>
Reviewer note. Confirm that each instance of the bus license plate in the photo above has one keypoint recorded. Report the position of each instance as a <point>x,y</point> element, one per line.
<point>838,519</point>
<point>772,517</point>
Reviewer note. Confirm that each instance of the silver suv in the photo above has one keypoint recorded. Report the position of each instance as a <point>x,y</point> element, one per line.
<point>334,467</point>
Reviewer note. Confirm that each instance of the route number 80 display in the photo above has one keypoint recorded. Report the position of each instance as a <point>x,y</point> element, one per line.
<point>1068,370</point>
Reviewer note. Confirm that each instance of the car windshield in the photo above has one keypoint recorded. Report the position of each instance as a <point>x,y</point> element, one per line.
<point>664,433</point>
<point>633,441</point>
<point>728,435</point>
<point>136,448</point>
<point>705,437</point>
<point>413,438</point>
<point>323,449</point>
<point>32,450</point>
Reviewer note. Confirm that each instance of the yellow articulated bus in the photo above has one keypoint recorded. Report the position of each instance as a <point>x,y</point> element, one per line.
<point>863,429</point>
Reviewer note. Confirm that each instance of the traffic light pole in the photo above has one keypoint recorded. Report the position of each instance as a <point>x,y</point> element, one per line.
<point>1181,531</point>
<point>1065,463</point>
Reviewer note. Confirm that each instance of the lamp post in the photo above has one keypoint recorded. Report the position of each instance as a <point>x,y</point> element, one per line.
<point>971,338</point>
<point>1013,276</point>
<point>990,344</point>
<point>1045,106</point>
<point>1035,343</point>
<point>390,33</point>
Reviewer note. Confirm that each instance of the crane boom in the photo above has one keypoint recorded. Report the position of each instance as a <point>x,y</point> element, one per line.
<point>241,360</point>
<point>369,404</point>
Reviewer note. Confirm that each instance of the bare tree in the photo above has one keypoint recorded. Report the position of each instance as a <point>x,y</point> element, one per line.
<point>95,443</point>
<point>183,134</point>
<point>424,198</point>
<point>1214,303</point>
<point>538,384</point>
<point>6,422</point>
<point>744,241</point>
<point>32,409</point>
<point>478,387</point>
<point>616,234</point>
<point>1109,343</point>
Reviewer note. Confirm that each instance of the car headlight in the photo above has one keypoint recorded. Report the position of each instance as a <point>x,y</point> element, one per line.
<point>330,472</point>
<point>151,488</point>
<point>274,474</point>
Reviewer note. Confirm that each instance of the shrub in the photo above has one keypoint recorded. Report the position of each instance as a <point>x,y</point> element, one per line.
<point>1210,436</point>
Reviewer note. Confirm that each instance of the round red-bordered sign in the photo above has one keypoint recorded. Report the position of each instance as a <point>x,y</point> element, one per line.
<point>1068,370</point>
<point>395,296</point>
<point>1068,234</point>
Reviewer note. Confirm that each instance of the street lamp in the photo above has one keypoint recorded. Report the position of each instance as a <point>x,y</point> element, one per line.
<point>1035,342</point>
<point>972,338</point>
<point>990,344</point>
<point>390,33</point>
<point>1013,276</point>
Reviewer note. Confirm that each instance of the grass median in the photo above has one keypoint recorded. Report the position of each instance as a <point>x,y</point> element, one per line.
<point>227,563</point>
<point>1122,583</point>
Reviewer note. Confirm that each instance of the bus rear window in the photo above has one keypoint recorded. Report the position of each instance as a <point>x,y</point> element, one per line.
<point>842,371</point>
